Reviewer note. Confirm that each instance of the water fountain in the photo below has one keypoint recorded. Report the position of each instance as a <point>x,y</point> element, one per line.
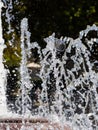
<point>3,105</point>
<point>69,80</point>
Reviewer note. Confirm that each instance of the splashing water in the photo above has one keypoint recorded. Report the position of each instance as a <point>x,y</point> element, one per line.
<point>3,105</point>
<point>69,78</point>
<point>75,82</point>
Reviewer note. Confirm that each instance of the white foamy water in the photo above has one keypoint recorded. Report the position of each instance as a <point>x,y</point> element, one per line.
<point>3,105</point>
<point>69,79</point>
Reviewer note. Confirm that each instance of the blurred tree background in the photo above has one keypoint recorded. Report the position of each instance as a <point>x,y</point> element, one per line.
<point>64,17</point>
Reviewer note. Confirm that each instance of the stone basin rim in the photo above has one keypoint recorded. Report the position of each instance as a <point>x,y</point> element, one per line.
<point>19,122</point>
<point>25,120</point>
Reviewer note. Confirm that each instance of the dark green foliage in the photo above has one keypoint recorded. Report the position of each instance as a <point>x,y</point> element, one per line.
<point>64,17</point>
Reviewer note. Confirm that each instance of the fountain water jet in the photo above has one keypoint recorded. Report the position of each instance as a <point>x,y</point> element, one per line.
<point>3,104</point>
<point>69,83</point>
